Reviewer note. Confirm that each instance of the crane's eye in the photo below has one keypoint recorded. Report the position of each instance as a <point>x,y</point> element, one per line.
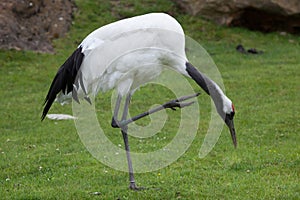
<point>230,115</point>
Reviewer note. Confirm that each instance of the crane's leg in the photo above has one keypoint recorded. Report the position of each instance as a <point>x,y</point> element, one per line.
<point>124,129</point>
<point>115,122</point>
<point>175,103</point>
<point>123,124</point>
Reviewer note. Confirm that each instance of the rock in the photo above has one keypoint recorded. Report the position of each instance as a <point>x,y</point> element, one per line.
<point>26,8</point>
<point>264,15</point>
<point>32,24</point>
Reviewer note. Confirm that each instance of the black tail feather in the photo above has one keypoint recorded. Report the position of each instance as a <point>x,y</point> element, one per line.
<point>64,80</point>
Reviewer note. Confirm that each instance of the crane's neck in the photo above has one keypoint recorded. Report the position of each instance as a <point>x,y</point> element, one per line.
<point>211,88</point>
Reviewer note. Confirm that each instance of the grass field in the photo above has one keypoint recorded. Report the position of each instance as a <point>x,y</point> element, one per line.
<point>48,161</point>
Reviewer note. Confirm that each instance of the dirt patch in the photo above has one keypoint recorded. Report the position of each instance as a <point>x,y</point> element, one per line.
<point>32,24</point>
<point>255,19</point>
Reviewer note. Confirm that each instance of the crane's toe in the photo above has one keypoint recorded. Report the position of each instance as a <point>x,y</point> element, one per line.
<point>175,104</point>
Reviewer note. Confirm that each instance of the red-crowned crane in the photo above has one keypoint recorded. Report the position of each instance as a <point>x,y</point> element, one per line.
<point>155,38</point>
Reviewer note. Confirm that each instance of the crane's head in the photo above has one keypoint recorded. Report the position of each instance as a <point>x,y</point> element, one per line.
<point>227,113</point>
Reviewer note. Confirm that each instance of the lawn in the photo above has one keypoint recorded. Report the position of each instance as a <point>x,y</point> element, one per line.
<point>47,160</point>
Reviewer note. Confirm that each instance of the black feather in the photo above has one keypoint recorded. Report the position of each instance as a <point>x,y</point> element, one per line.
<point>200,78</point>
<point>64,79</point>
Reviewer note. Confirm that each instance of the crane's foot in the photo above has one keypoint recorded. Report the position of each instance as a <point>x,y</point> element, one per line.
<point>133,186</point>
<point>174,104</point>
<point>178,103</point>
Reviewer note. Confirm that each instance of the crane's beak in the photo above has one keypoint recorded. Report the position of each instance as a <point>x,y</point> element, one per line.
<point>230,124</point>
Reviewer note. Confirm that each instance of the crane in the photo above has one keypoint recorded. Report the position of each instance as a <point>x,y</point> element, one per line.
<point>102,62</point>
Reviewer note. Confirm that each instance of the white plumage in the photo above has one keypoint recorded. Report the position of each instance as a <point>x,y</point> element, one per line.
<point>60,116</point>
<point>118,54</point>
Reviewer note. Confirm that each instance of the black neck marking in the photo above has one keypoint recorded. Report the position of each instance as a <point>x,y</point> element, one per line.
<point>197,76</point>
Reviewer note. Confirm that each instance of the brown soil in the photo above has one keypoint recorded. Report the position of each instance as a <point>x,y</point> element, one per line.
<point>32,24</point>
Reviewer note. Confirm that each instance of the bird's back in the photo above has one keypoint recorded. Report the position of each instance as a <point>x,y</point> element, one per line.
<point>128,47</point>
<point>148,21</point>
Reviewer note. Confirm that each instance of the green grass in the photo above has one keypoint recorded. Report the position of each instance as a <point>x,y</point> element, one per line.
<point>48,161</point>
